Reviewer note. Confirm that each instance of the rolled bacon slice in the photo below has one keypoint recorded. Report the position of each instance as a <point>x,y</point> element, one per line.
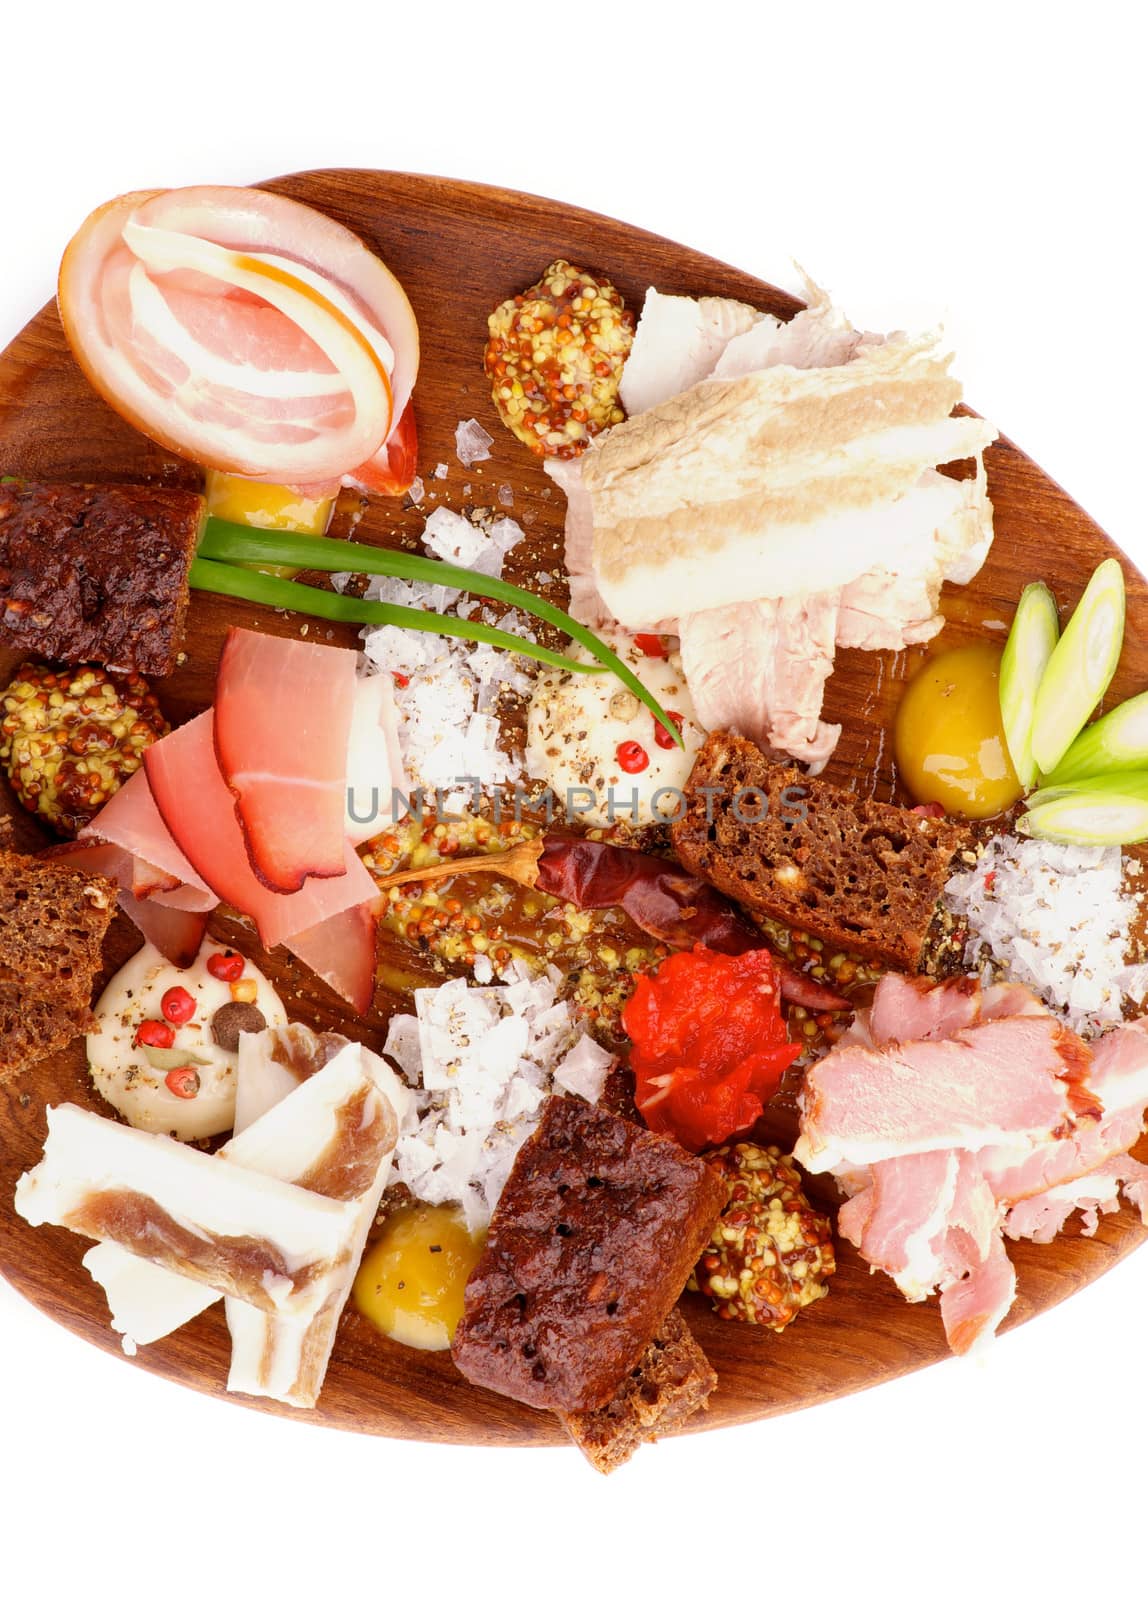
<point>242,329</point>
<point>282,724</point>
<point>237,1232</point>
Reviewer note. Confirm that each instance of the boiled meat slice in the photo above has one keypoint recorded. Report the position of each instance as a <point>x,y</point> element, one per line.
<point>895,604</point>
<point>586,604</point>
<point>760,668</point>
<point>819,336</point>
<point>744,488</point>
<point>677,342</point>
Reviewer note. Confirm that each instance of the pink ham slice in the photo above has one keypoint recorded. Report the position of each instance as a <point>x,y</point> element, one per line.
<point>1007,1082</point>
<point>932,1217</point>
<point>282,722</point>
<point>1042,1216</point>
<point>925,1219</point>
<point>199,811</point>
<point>974,1307</point>
<point>913,1008</point>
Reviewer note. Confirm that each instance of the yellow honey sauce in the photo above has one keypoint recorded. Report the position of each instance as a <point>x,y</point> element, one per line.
<point>948,736</point>
<point>410,1282</point>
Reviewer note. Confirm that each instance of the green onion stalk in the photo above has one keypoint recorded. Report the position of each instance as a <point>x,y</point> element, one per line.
<point>224,544</point>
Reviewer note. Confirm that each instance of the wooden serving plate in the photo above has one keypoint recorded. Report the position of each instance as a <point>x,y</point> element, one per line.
<point>460,248</point>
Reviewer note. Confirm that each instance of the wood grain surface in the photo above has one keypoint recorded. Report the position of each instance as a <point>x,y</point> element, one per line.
<point>459,249</point>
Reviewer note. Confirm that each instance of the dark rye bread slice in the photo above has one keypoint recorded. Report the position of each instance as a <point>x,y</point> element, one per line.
<point>53,920</point>
<point>590,1245</point>
<point>97,572</point>
<point>862,875</point>
<point>671,1381</point>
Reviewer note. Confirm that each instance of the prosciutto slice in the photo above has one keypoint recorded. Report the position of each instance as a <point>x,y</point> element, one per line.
<point>199,810</point>
<point>341,951</point>
<point>176,933</point>
<point>282,723</point>
<point>131,820</point>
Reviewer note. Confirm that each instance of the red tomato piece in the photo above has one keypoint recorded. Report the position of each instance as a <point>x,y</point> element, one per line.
<point>709,1044</point>
<point>631,757</point>
<point>183,1082</point>
<point>227,966</point>
<point>177,1006</point>
<point>158,1034</point>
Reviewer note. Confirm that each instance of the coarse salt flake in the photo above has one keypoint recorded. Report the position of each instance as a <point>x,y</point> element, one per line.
<point>1054,917</point>
<point>472,442</point>
<point>483,1061</point>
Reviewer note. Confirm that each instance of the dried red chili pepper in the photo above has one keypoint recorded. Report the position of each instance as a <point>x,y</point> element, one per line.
<point>667,902</point>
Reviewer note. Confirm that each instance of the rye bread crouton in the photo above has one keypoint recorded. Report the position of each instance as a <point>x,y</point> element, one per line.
<point>53,920</point>
<point>671,1381</point>
<point>97,572</point>
<point>597,1230</point>
<point>861,875</point>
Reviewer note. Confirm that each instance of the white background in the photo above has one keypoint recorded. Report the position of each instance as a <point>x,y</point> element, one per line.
<point>979,163</point>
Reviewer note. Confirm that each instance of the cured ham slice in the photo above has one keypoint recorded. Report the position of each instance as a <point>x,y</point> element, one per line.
<point>235,1231</point>
<point>974,1307</point>
<point>759,668</point>
<point>199,810</point>
<point>341,951</point>
<point>1008,1082</point>
<point>282,723</point>
<point>937,1163</point>
<point>374,770</point>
